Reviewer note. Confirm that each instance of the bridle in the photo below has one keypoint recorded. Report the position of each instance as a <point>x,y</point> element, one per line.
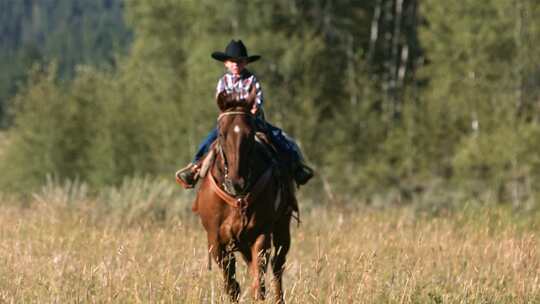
<point>227,181</point>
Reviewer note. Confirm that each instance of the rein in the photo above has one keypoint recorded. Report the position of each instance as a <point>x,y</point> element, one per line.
<point>233,113</point>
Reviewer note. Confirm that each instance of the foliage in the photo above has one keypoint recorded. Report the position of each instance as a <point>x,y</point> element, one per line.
<point>392,99</point>
<point>71,32</point>
<point>479,100</point>
<point>74,132</point>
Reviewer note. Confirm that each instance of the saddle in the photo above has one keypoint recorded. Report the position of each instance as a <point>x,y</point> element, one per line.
<point>267,147</point>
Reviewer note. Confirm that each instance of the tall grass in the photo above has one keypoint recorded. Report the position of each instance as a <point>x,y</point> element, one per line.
<point>140,244</point>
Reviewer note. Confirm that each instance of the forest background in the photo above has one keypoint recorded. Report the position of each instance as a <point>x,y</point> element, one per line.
<point>429,102</point>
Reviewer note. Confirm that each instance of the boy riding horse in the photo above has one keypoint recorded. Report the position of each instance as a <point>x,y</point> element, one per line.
<point>239,81</point>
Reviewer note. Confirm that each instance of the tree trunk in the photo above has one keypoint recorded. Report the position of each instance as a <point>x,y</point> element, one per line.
<point>374,31</point>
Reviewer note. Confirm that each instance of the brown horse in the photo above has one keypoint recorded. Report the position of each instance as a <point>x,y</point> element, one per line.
<point>243,203</point>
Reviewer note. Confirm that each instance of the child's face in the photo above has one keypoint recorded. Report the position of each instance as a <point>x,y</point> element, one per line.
<point>236,66</point>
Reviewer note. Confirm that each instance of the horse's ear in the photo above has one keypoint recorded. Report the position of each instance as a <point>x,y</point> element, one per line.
<point>226,100</point>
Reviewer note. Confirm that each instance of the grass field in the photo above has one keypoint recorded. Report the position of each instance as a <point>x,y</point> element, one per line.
<point>53,253</point>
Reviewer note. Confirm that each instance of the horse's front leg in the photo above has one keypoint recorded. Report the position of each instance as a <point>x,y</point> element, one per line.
<point>227,262</point>
<point>259,262</point>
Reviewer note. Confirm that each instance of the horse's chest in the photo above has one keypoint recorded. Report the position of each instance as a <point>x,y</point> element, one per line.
<point>237,228</point>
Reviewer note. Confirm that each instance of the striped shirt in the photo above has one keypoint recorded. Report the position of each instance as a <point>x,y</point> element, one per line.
<point>242,85</point>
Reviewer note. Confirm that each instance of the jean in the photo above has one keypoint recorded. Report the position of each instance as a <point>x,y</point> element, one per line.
<point>205,145</point>
<point>283,143</point>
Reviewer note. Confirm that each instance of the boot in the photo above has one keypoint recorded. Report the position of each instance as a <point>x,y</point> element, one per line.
<point>188,176</point>
<point>302,174</point>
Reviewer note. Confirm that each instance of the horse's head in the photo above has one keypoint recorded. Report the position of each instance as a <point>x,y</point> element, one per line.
<point>236,128</point>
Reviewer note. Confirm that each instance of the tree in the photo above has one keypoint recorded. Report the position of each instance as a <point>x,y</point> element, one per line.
<point>69,31</point>
<point>478,66</point>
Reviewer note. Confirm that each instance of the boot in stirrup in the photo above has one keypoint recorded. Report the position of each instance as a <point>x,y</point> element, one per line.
<point>188,176</point>
<point>302,174</point>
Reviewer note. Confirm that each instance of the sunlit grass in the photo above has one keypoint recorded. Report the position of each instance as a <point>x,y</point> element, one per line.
<point>53,253</point>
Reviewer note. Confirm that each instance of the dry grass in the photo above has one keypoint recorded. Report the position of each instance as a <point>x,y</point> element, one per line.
<point>54,254</point>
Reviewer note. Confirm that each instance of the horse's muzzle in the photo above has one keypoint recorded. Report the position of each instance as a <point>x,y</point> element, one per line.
<point>235,187</point>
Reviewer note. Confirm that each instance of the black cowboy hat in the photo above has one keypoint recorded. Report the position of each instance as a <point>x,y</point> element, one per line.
<point>235,50</point>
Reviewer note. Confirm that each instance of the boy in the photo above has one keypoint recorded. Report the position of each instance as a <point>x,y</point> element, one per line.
<point>239,80</point>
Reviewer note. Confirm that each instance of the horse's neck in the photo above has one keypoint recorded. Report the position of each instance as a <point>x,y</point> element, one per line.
<point>217,169</point>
